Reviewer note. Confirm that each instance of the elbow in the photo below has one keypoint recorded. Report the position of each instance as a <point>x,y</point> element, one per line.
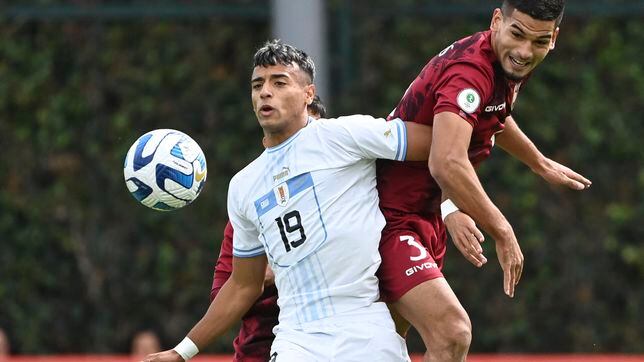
<point>259,291</point>
<point>445,169</point>
<point>440,169</point>
<point>250,289</point>
<point>253,292</point>
<point>436,169</point>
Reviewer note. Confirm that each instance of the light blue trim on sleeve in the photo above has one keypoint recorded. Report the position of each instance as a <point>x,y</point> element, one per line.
<point>404,153</point>
<point>401,128</point>
<point>249,253</point>
<point>396,157</point>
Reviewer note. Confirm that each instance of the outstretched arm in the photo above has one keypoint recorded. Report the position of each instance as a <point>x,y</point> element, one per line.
<point>450,166</point>
<point>465,235</point>
<point>419,141</point>
<point>516,143</point>
<point>223,267</point>
<point>238,294</point>
<point>233,300</point>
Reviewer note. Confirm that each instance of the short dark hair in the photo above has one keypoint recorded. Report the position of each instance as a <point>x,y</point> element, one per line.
<point>546,10</point>
<point>317,107</point>
<point>276,52</point>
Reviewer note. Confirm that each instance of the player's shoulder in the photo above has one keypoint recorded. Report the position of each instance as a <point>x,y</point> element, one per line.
<point>473,52</point>
<point>345,129</point>
<point>341,121</point>
<point>344,122</point>
<point>475,48</point>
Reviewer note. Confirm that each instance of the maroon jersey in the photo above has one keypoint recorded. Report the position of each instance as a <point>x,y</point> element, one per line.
<point>253,344</point>
<point>466,79</point>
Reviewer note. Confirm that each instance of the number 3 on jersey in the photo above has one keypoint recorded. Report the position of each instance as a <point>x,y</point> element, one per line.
<point>290,223</point>
<point>412,242</point>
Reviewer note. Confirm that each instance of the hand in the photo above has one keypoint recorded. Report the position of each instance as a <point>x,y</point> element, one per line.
<point>466,236</point>
<point>511,260</point>
<point>558,174</point>
<point>269,277</point>
<point>165,356</point>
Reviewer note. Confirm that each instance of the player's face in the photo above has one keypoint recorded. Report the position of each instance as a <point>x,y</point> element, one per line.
<point>521,42</point>
<point>280,95</point>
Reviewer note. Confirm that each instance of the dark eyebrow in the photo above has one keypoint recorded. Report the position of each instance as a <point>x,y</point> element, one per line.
<point>545,37</point>
<point>273,77</point>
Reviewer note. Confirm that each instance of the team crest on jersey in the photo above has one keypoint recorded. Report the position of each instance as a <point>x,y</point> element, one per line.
<point>468,99</point>
<point>281,194</point>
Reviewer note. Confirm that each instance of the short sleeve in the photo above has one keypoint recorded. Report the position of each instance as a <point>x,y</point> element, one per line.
<point>464,88</point>
<point>224,265</point>
<point>367,137</point>
<point>246,242</point>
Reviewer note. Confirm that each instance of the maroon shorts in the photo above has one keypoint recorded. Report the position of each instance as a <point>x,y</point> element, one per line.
<point>412,248</point>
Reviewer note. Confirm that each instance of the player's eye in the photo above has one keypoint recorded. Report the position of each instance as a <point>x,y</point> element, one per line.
<point>543,43</point>
<point>516,35</point>
<point>280,83</point>
<point>257,86</point>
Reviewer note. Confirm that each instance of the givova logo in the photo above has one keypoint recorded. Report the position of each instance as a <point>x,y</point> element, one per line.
<point>496,108</point>
<point>416,268</point>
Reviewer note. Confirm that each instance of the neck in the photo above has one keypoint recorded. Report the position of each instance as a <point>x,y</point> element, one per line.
<point>273,138</point>
<point>493,45</point>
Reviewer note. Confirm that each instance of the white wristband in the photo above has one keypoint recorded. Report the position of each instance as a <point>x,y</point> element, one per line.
<point>186,349</point>
<point>447,207</point>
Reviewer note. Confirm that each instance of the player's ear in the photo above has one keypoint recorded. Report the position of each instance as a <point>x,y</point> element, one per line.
<point>554,38</point>
<point>497,18</point>
<point>310,93</point>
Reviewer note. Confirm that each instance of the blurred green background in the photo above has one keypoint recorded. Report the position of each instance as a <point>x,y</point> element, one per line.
<point>83,266</point>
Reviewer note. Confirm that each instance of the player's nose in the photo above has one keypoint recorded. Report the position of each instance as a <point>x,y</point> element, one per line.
<point>265,91</point>
<point>524,51</point>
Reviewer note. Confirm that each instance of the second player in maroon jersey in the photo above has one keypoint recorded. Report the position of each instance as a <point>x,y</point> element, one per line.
<point>466,94</point>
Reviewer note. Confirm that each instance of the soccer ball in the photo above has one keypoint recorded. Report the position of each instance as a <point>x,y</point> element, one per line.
<point>165,169</point>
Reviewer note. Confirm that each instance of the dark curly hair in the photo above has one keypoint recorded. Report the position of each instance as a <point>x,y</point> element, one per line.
<point>537,9</point>
<point>275,52</point>
<point>317,107</point>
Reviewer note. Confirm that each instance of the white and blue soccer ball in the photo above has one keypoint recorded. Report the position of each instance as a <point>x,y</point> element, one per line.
<point>165,169</point>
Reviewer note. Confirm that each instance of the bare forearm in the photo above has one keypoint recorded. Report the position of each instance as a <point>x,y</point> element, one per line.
<point>419,141</point>
<point>452,169</point>
<point>516,143</point>
<point>231,303</point>
<point>458,180</point>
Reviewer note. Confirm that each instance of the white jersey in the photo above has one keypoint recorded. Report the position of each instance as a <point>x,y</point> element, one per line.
<point>311,204</point>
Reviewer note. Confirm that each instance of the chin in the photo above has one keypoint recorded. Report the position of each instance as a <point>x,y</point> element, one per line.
<point>513,76</point>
